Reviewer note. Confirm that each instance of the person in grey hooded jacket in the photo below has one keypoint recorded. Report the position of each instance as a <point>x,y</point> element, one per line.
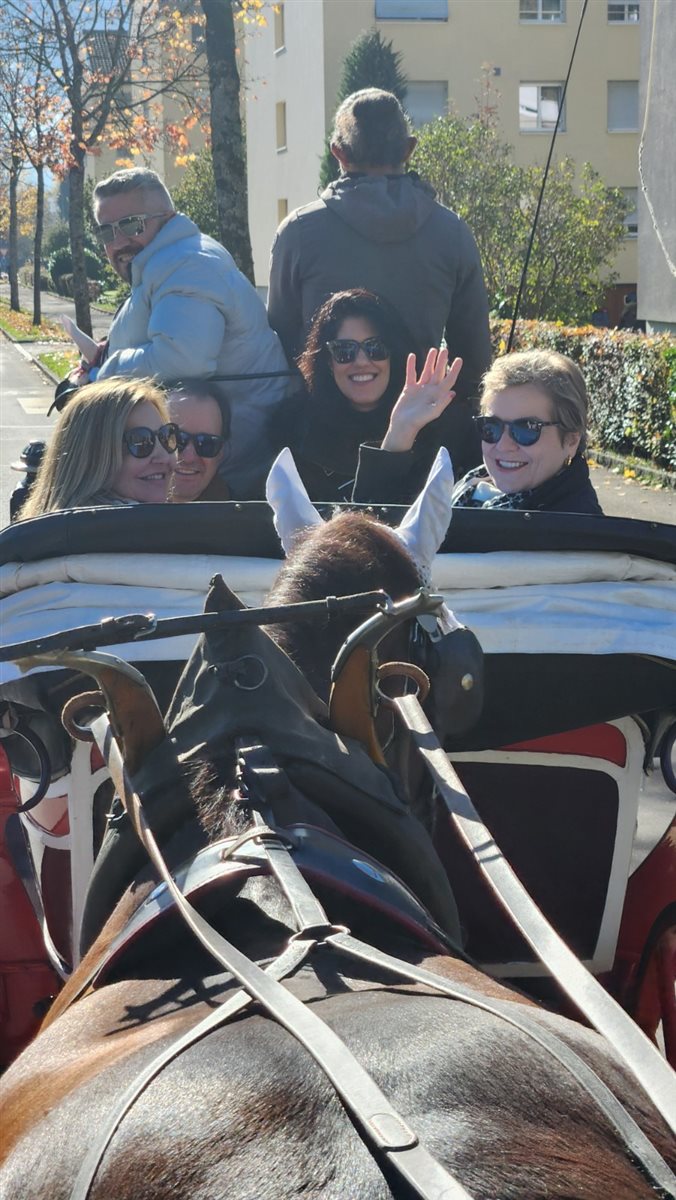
<point>380,227</point>
<point>191,313</point>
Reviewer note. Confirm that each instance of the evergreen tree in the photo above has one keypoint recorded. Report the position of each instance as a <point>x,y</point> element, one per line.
<point>370,62</point>
<point>196,194</point>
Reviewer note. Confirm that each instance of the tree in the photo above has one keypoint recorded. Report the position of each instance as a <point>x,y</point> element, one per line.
<point>24,209</point>
<point>579,229</point>
<point>112,60</point>
<point>196,194</point>
<point>227,141</point>
<point>30,121</point>
<point>578,234</point>
<point>13,162</point>
<point>370,62</point>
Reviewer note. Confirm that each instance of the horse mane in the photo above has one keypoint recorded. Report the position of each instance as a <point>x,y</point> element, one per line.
<point>353,552</point>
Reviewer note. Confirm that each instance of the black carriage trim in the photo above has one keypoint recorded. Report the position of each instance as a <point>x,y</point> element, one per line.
<point>245,528</point>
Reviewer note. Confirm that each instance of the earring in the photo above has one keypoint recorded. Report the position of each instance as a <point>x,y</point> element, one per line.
<point>568,461</point>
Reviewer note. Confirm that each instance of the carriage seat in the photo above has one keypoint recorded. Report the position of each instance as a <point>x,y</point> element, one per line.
<point>563,809</point>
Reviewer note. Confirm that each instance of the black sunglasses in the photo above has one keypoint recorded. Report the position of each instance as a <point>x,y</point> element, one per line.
<point>525,431</point>
<point>132,226</point>
<point>207,445</point>
<point>140,442</point>
<point>345,350</point>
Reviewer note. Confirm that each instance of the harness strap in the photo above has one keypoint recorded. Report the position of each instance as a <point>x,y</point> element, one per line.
<point>520,1017</point>
<point>287,963</point>
<point>638,1053</point>
<point>362,1097</point>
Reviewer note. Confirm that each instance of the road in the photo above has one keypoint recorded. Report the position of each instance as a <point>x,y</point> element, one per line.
<point>25,396</point>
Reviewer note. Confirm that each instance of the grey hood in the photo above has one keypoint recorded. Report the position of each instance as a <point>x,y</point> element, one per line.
<point>383,208</point>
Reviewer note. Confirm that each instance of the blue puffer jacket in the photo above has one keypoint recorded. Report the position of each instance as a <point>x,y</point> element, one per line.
<point>192,313</point>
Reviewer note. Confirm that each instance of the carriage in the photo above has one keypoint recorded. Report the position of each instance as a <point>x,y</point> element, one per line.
<point>569,759</point>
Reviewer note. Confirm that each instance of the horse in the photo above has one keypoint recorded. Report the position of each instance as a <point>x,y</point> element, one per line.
<point>245,1111</point>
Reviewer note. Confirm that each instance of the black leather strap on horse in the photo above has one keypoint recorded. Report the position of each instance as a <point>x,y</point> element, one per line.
<point>651,1161</point>
<point>287,963</point>
<point>381,1123</point>
<point>639,1054</point>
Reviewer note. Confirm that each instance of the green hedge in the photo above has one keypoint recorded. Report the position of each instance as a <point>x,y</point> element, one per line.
<point>61,263</point>
<point>631,380</point>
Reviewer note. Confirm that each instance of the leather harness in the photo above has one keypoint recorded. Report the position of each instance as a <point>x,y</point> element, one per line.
<point>384,1129</point>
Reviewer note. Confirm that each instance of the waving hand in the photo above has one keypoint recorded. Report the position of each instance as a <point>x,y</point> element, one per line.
<point>423,399</point>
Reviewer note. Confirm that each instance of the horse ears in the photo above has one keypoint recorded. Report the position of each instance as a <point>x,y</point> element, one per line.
<point>424,527</point>
<point>421,531</point>
<point>291,506</point>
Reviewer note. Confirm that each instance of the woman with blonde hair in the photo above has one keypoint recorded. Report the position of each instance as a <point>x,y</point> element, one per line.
<point>113,444</point>
<point>533,431</point>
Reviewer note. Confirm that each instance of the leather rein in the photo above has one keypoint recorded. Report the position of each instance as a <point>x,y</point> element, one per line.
<point>135,726</point>
<point>385,1131</point>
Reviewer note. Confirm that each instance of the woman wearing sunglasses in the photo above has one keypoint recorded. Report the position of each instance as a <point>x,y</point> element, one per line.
<point>202,413</point>
<point>354,366</point>
<point>532,426</point>
<point>113,444</point>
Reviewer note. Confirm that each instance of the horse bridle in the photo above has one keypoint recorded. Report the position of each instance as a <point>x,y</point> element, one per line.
<point>385,1130</point>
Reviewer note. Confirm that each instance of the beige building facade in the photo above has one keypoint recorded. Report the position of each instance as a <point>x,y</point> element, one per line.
<point>293,66</point>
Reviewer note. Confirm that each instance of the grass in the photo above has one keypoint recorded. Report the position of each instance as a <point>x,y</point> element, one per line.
<point>59,362</point>
<point>20,327</point>
<point>110,300</point>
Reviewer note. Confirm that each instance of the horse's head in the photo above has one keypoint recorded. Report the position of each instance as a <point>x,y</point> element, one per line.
<point>353,552</point>
<point>240,683</point>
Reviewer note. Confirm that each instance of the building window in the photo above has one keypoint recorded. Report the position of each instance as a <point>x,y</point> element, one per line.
<point>280,40</point>
<point>426,100</point>
<point>623,12</point>
<point>411,10</point>
<point>538,107</point>
<point>280,119</point>
<point>631,219</point>
<point>622,105</point>
<point>282,209</point>
<point>549,11</point>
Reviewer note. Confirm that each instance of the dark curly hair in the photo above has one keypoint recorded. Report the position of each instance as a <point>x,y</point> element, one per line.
<point>315,361</point>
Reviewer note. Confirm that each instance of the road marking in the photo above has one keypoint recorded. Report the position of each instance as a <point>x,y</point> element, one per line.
<point>35,405</point>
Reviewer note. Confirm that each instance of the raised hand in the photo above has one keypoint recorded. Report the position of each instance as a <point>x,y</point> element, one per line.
<point>422,400</point>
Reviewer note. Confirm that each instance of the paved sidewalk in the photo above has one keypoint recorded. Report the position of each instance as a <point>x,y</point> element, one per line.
<point>52,308</point>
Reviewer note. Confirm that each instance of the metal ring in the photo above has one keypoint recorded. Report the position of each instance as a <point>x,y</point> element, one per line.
<point>408,671</point>
<point>251,687</point>
<point>76,704</point>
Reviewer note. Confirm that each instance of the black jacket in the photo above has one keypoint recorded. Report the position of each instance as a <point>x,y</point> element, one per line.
<point>385,477</point>
<point>324,437</point>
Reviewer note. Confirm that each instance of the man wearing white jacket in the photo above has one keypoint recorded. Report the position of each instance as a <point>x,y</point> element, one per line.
<point>191,313</point>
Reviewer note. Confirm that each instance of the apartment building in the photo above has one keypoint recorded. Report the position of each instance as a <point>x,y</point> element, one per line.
<point>293,67</point>
<point>657,212</point>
